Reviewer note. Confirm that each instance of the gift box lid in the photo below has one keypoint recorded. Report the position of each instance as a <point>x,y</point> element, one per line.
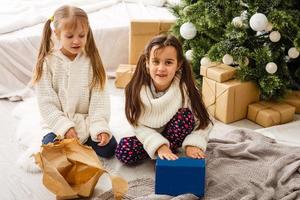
<point>181,162</point>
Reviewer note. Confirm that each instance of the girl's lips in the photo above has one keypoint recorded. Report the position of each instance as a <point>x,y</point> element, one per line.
<point>161,75</point>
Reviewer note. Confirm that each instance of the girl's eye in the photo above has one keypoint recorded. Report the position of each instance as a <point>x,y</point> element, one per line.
<point>69,36</point>
<point>169,63</point>
<point>81,36</point>
<point>155,62</point>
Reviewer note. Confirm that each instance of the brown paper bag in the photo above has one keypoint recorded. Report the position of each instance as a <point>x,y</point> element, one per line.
<point>71,170</point>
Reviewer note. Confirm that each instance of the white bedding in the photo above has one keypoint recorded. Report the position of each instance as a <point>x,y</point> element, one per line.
<point>109,20</point>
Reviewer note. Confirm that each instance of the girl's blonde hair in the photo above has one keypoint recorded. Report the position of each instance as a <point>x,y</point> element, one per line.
<point>73,16</point>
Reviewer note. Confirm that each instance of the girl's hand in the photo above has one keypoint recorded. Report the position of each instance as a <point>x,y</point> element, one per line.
<point>103,138</point>
<point>164,152</point>
<point>194,152</point>
<point>71,133</point>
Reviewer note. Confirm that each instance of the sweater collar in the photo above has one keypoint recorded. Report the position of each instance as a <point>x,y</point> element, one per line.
<point>63,57</point>
<point>158,111</point>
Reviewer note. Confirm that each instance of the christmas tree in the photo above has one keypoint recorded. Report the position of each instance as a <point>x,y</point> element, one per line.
<point>259,37</point>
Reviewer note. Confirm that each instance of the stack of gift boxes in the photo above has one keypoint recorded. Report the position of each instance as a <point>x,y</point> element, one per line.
<point>230,100</point>
<point>141,31</point>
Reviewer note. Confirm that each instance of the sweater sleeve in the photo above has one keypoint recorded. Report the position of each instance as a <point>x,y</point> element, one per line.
<point>150,139</point>
<point>99,113</point>
<point>50,106</point>
<point>198,138</point>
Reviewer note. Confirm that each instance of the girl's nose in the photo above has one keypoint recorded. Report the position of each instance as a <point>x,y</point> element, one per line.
<point>76,40</point>
<point>161,67</point>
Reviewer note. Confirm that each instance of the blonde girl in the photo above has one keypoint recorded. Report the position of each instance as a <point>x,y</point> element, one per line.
<point>164,106</point>
<point>70,82</point>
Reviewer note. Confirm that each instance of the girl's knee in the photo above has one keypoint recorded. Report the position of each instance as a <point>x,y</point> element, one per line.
<point>126,151</point>
<point>108,150</point>
<point>49,138</point>
<point>185,115</point>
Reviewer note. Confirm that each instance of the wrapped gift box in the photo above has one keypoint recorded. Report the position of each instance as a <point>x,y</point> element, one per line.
<point>141,31</point>
<point>228,101</point>
<point>181,176</point>
<point>124,74</point>
<point>293,98</point>
<point>270,113</point>
<point>218,72</point>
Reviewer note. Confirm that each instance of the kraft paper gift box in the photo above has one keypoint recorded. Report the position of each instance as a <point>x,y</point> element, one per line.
<point>218,71</point>
<point>181,176</point>
<point>228,101</point>
<point>270,113</point>
<point>293,98</point>
<point>124,74</point>
<point>141,31</point>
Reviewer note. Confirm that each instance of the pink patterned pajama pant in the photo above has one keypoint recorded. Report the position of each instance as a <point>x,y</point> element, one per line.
<point>130,150</point>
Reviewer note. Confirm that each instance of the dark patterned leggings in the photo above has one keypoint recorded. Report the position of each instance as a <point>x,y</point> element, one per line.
<point>130,150</point>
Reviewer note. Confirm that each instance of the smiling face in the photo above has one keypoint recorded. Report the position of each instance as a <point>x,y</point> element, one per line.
<point>162,65</point>
<point>73,39</point>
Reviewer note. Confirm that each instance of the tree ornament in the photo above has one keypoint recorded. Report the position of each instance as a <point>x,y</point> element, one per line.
<point>269,27</point>
<point>271,68</point>
<point>244,15</point>
<point>293,52</point>
<point>188,30</point>
<point>258,33</point>
<point>245,61</point>
<point>189,54</point>
<point>227,59</point>
<point>237,22</point>
<point>185,10</point>
<point>205,61</point>
<point>274,36</point>
<point>258,22</point>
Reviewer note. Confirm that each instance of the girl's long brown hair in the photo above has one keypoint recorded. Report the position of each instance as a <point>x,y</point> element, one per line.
<point>133,104</point>
<point>73,15</point>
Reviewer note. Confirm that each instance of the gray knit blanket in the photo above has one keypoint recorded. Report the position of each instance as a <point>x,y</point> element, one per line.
<point>244,166</point>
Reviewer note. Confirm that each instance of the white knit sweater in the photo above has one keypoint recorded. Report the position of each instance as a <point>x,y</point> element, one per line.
<point>65,99</point>
<point>157,113</point>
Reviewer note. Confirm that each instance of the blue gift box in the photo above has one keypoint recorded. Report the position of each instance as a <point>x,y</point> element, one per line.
<point>181,176</point>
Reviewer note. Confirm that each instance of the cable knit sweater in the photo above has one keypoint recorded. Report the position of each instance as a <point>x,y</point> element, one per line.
<point>65,99</point>
<point>157,113</point>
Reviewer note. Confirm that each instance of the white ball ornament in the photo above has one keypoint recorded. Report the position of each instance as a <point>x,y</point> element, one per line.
<point>271,68</point>
<point>189,54</point>
<point>293,52</point>
<point>205,61</point>
<point>274,36</point>
<point>188,30</point>
<point>258,22</point>
<point>237,22</point>
<point>227,59</point>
